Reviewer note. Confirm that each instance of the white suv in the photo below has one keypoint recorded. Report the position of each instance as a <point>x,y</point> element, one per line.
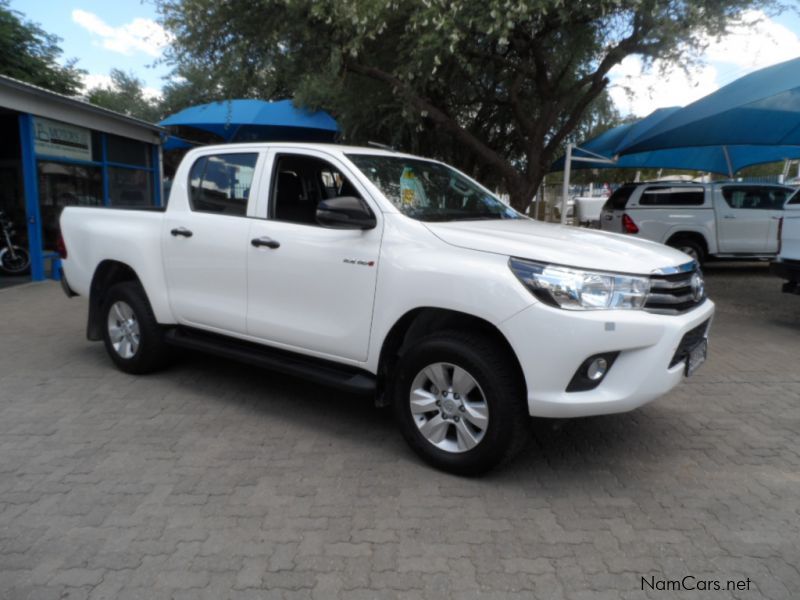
<point>723,219</point>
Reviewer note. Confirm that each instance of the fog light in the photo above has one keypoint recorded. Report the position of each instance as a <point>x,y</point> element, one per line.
<point>597,369</point>
<point>591,372</point>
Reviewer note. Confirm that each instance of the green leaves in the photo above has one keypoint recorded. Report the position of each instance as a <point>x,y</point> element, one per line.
<point>494,86</point>
<point>28,53</point>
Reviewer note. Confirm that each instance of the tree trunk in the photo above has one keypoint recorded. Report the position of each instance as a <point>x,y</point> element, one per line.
<point>523,188</point>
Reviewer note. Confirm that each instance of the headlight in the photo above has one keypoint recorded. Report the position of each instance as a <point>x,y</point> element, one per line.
<point>575,289</point>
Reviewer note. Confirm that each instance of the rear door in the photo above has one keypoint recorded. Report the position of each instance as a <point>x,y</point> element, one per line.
<point>747,218</point>
<point>313,289</point>
<point>205,243</point>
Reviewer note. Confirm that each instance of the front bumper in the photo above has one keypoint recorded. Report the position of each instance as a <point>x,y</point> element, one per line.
<point>551,343</point>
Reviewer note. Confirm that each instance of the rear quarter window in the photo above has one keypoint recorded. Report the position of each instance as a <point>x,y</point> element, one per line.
<point>794,200</point>
<point>672,196</point>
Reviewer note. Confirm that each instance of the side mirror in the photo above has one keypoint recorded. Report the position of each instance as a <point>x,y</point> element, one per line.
<point>345,212</point>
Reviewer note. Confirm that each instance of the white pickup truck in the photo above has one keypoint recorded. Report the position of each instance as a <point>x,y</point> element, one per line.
<point>393,275</point>
<point>787,264</point>
<point>721,219</point>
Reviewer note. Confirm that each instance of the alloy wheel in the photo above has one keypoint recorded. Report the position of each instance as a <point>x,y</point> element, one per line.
<point>448,407</point>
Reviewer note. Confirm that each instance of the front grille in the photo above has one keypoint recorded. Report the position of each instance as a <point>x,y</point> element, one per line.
<point>690,339</point>
<point>674,294</point>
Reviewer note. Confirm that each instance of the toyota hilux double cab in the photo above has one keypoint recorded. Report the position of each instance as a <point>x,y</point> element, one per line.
<point>387,274</point>
<point>720,219</point>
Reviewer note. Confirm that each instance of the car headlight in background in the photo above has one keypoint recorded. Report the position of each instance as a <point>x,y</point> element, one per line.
<point>576,289</point>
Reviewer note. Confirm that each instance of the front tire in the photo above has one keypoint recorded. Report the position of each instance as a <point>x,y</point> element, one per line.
<point>133,338</point>
<point>460,403</point>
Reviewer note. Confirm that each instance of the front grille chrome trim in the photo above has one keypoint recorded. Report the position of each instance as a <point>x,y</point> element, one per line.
<point>674,293</point>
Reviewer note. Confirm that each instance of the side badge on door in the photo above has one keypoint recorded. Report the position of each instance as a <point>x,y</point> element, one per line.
<point>363,263</point>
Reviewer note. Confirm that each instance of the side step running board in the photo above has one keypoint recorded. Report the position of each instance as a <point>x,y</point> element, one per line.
<point>319,371</point>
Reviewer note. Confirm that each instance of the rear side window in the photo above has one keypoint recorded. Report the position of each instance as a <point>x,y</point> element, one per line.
<point>672,196</point>
<point>221,183</point>
<point>795,198</point>
<point>619,198</point>
<point>755,198</point>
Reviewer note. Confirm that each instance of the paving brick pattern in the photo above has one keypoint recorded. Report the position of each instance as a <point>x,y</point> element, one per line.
<point>212,480</point>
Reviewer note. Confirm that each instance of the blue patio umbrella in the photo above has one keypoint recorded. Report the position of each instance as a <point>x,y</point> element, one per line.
<point>256,120</point>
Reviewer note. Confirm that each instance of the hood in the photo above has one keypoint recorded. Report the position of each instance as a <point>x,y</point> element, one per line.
<point>560,244</point>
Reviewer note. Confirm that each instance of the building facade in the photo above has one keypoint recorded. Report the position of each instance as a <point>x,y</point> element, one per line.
<point>57,151</point>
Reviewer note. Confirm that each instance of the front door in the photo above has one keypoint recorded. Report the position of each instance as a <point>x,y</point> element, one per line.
<point>311,288</point>
<point>205,244</point>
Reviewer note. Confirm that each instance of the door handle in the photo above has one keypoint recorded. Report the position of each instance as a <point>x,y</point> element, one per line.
<point>729,217</point>
<point>265,241</point>
<point>182,231</point>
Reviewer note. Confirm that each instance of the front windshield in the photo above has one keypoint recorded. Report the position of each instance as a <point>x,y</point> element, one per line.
<point>430,191</point>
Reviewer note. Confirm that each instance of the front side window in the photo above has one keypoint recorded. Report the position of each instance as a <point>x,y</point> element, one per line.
<point>672,196</point>
<point>430,191</point>
<point>755,198</point>
<point>300,183</point>
<point>221,183</point>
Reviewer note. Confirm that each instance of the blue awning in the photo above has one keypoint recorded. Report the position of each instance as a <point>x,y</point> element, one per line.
<point>752,121</point>
<point>762,108</point>
<point>257,120</point>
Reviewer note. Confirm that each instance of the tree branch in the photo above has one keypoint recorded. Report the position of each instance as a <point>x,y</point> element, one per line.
<point>438,116</point>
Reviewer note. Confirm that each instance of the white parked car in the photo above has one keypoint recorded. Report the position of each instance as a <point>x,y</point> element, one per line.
<point>787,264</point>
<point>723,220</point>
<point>392,275</point>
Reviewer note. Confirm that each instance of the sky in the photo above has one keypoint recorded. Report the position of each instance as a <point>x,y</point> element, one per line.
<point>124,34</point>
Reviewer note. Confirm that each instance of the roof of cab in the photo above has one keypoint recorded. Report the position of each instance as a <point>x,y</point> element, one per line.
<point>329,147</point>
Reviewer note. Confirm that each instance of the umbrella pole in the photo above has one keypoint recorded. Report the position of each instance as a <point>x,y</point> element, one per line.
<point>565,192</point>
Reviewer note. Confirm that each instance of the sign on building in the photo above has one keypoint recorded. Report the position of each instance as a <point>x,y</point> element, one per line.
<point>60,140</point>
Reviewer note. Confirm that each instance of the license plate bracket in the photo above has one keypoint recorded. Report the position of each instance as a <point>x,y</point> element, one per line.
<point>696,357</point>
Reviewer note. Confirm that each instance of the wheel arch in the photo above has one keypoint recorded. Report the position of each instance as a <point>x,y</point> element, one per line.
<point>107,274</point>
<point>695,236</point>
<point>422,321</point>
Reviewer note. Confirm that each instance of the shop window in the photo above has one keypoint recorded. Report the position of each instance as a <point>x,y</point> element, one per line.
<point>128,152</point>
<point>130,187</point>
<point>61,185</point>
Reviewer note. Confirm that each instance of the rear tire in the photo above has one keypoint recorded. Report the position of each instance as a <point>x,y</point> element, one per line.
<point>463,433</point>
<point>691,247</point>
<point>133,338</point>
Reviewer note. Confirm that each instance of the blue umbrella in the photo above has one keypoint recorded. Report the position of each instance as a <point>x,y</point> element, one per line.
<point>252,120</point>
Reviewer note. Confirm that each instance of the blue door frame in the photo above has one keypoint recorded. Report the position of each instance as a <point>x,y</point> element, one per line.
<point>30,179</point>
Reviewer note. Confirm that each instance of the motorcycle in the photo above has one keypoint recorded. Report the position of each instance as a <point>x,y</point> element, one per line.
<point>14,260</point>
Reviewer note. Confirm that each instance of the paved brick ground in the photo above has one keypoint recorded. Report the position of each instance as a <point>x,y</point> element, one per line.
<point>214,481</point>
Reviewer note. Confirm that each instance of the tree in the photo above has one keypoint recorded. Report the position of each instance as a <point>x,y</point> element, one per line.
<point>500,85</point>
<point>28,53</point>
<point>126,95</point>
